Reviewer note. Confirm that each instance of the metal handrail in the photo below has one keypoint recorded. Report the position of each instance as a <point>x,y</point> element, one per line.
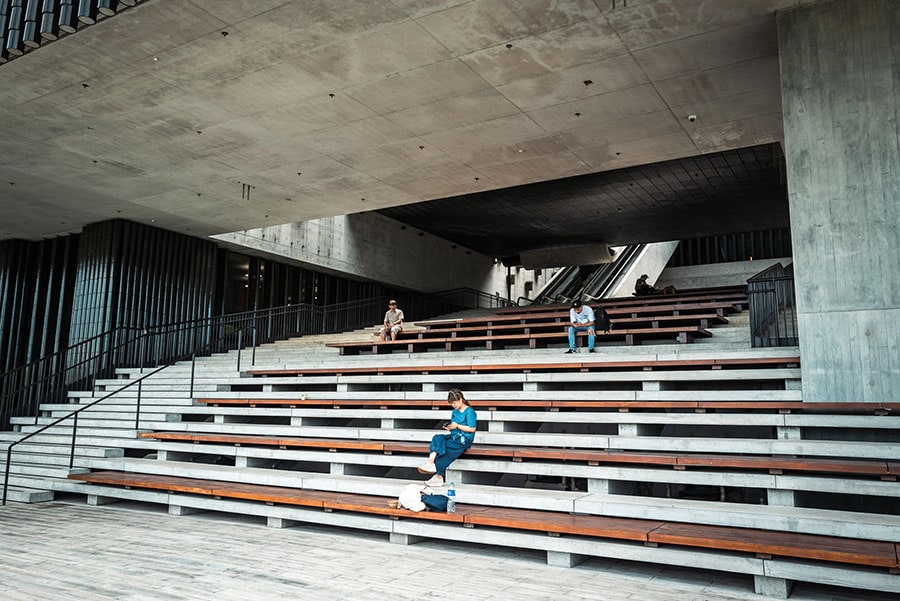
<point>59,369</point>
<point>75,413</point>
<point>249,321</point>
<point>77,366</point>
<point>771,302</point>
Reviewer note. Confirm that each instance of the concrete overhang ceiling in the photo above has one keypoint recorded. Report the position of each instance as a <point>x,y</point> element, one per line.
<point>210,116</point>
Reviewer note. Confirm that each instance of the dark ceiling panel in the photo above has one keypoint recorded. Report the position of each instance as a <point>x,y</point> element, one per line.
<point>722,193</point>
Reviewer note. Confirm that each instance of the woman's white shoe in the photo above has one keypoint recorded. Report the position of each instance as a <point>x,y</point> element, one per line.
<point>435,481</point>
<point>426,468</point>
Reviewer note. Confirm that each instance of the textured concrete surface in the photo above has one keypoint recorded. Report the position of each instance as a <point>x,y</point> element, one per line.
<point>168,111</point>
<point>62,552</point>
<point>841,89</point>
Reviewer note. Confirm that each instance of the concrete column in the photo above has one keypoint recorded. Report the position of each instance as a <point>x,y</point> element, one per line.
<point>560,559</point>
<point>840,82</point>
<point>638,430</point>
<point>100,500</point>
<point>280,522</point>
<point>598,485</point>
<point>405,539</point>
<point>779,497</point>
<point>182,510</point>
<point>789,433</point>
<point>779,588</point>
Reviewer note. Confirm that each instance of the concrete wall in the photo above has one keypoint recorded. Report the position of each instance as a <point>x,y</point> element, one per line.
<point>734,273</point>
<point>840,77</point>
<point>373,247</point>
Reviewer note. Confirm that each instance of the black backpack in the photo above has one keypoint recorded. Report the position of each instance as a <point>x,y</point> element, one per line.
<point>601,320</point>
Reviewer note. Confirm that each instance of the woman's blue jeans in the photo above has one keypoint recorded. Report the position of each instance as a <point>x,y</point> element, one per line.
<point>448,449</point>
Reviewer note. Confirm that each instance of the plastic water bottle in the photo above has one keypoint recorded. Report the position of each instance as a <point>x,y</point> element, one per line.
<point>451,499</point>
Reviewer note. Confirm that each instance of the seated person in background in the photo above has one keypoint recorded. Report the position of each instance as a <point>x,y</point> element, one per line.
<point>582,319</point>
<point>642,288</point>
<point>393,321</point>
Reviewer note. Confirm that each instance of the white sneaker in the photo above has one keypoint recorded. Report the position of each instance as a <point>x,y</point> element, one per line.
<point>435,481</point>
<point>426,468</point>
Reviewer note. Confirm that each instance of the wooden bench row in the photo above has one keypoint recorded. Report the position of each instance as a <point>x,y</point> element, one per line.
<point>683,334</point>
<point>761,543</point>
<point>737,293</point>
<point>885,470</point>
<point>718,309</point>
<point>875,408</point>
<point>561,324</point>
<point>582,366</point>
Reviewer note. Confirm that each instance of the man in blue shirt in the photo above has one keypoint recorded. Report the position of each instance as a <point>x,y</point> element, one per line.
<point>582,319</point>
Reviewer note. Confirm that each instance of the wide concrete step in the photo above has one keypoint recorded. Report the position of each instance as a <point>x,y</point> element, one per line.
<point>24,494</point>
<point>792,519</point>
<point>53,447</point>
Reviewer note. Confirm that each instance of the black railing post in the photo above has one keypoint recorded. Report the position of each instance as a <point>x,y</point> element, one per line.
<point>6,474</point>
<point>253,355</point>
<point>240,333</point>
<point>141,345</point>
<point>72,450</point>
<point>137,411</point>
<point>193,366</point>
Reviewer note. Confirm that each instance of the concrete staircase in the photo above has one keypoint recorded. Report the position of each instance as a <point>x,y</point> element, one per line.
<point>108,439</point>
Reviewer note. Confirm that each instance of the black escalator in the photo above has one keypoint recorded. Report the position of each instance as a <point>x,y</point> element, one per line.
<point>586,281</point>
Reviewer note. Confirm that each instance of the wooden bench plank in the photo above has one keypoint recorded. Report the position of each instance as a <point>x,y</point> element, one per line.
<point>167,483</point>
<point>753,406</point>
<point>565,523</point>
<point>807,546</point>
<point>684,311</point>
<point>729,292</point>
<point>592,457</point>
<point>631,336</point>
<point>743,363</point>
<point>596,456</point>
<point>808,464</point>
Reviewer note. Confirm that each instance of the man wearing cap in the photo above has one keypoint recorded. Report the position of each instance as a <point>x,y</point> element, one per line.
<point>393,321</point>
<point>582,319</point>
<point>642,288</point>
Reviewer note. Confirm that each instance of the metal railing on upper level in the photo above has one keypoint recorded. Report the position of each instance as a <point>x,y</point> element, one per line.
<point>49,379</point>
<point>773,313</point>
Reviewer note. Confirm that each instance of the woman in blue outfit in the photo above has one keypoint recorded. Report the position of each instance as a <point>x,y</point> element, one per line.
<point>445,448</point>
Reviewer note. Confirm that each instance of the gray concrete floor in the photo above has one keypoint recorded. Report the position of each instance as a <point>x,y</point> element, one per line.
<point>60,551</point>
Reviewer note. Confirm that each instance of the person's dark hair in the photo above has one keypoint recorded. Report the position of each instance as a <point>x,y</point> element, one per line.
<point>456,394</point>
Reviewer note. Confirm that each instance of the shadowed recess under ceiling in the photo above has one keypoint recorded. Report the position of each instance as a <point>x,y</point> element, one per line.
<point>713,194</point>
